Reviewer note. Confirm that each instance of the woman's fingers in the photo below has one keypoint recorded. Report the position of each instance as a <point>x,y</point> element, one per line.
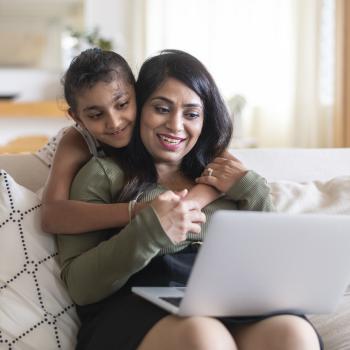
<point>194,228</point>
<point>178,216</point>
<point>207,180</point>
<point>222,173</point>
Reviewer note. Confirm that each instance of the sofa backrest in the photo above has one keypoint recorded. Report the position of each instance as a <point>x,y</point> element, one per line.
<point>274,164</point>
<point>296,164</point>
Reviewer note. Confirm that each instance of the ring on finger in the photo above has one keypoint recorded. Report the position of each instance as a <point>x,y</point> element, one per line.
<point>210,172</point>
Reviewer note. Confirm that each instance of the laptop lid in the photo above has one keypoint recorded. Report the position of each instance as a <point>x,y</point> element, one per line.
<point>256,263</point>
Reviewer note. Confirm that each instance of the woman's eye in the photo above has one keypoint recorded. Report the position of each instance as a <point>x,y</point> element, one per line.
<point>192,115</point>
<point>162,110</point>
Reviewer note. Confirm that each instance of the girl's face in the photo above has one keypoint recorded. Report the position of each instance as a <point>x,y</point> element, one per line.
<point>171,122</point>
<point>108,112</point>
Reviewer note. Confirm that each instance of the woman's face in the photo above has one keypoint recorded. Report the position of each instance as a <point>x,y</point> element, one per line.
<point>171,122</point>
<point>108,112</point>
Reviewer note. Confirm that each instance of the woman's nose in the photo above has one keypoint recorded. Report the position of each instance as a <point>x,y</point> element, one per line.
<point>175,122</point>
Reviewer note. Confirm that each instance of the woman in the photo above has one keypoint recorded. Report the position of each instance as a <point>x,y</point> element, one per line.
<point>182,126</point>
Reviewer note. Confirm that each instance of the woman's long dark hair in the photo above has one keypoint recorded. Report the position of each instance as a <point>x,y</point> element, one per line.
<point>140,170</point>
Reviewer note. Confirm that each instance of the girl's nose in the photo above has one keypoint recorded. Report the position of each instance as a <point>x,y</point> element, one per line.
<point>113,121</point>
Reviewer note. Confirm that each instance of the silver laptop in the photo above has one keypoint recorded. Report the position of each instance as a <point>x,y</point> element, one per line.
<point>254,263</point>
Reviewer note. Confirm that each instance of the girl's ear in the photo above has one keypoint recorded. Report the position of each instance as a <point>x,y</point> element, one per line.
<point>74,116</point>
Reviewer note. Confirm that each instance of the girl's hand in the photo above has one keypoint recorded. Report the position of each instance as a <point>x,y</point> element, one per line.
<point>223,172</point>
<point>177,216</point>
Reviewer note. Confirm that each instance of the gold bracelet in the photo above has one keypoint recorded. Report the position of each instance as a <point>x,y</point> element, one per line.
<point>131,207</point>
<point>129,211</point>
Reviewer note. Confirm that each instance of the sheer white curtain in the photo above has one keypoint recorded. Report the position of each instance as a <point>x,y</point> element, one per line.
<point>315,73</point>
<point>268,52</point>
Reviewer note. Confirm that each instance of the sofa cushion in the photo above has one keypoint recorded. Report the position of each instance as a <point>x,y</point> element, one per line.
<point>35,309</point>
<point>332,196</point>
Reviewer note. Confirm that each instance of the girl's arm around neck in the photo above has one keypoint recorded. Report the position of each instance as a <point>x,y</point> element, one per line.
<point>203,195</point>
<point>61,215</point>
<point>74,217</point>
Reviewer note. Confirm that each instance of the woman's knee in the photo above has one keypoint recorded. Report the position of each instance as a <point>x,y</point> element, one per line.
<point>286,332</point>
<point>193,333</point>
<point>205,333</point>
<point>294,332</point>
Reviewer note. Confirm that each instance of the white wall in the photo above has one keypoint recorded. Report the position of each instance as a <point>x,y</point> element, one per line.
<point>113,23</point>
<point>13,128</point>
<point>122,21</point>
<point>30,84</point>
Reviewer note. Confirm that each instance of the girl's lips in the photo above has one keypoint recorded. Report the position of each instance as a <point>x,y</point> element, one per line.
<point>169,142</point>
<point>118,131</point>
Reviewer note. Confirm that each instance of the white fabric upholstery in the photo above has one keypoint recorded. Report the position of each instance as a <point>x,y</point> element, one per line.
<point>331,196</point>
<point>26,169</point>
<point>296,164</point>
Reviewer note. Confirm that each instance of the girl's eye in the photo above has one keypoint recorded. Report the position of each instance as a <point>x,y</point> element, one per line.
<point>123,105</point>
<point>95,116</point>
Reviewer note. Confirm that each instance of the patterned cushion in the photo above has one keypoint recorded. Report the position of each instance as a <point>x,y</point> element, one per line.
<point>35,309</point>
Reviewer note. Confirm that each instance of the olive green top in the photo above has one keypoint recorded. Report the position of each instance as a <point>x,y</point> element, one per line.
<point>96,264</point>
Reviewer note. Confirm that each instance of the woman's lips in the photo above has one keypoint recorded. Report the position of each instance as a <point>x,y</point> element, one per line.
<point>169,142</point>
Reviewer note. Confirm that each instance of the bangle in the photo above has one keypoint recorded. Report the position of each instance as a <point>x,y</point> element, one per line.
<point>131,207</point>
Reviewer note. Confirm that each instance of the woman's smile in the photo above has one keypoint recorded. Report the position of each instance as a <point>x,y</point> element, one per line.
<point>170,142</point>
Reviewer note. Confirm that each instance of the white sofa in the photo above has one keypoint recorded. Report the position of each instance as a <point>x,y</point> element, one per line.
<point>35,310</point>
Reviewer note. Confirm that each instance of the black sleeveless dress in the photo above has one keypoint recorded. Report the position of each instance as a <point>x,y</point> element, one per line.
<point>123,319</point>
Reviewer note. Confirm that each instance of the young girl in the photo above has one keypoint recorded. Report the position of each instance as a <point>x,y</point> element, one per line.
<point>99,88</point>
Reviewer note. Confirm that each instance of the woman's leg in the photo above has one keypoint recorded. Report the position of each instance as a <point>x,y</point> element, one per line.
<point>202,333</point>
<point>286,332</point>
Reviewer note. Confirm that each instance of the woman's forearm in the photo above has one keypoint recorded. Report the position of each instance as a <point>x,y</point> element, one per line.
<point>252,192</point>
<point>95,266</point>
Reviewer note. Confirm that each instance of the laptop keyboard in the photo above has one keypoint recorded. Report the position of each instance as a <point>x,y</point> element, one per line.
<point>173,300</point>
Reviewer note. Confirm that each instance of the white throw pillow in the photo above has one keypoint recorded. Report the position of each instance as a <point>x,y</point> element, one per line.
<point>36,311</point>
<point>332,197</point>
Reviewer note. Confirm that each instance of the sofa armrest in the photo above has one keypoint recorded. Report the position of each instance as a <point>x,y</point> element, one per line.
<point>26,169</point>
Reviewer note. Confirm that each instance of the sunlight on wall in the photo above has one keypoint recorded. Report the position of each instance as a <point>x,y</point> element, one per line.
<point>246,45</point>
<point>250,47</point>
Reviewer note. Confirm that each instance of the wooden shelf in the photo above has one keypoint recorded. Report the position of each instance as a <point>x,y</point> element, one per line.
<point>24,144</point>
<point>41,109</point>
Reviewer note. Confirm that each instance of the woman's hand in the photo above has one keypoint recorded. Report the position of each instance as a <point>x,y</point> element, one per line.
<point>223,172</point>
<point>177,216</point>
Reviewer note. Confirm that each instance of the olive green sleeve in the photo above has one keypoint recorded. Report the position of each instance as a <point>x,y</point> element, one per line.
<point>252,192</point>
<point>96,264</point>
